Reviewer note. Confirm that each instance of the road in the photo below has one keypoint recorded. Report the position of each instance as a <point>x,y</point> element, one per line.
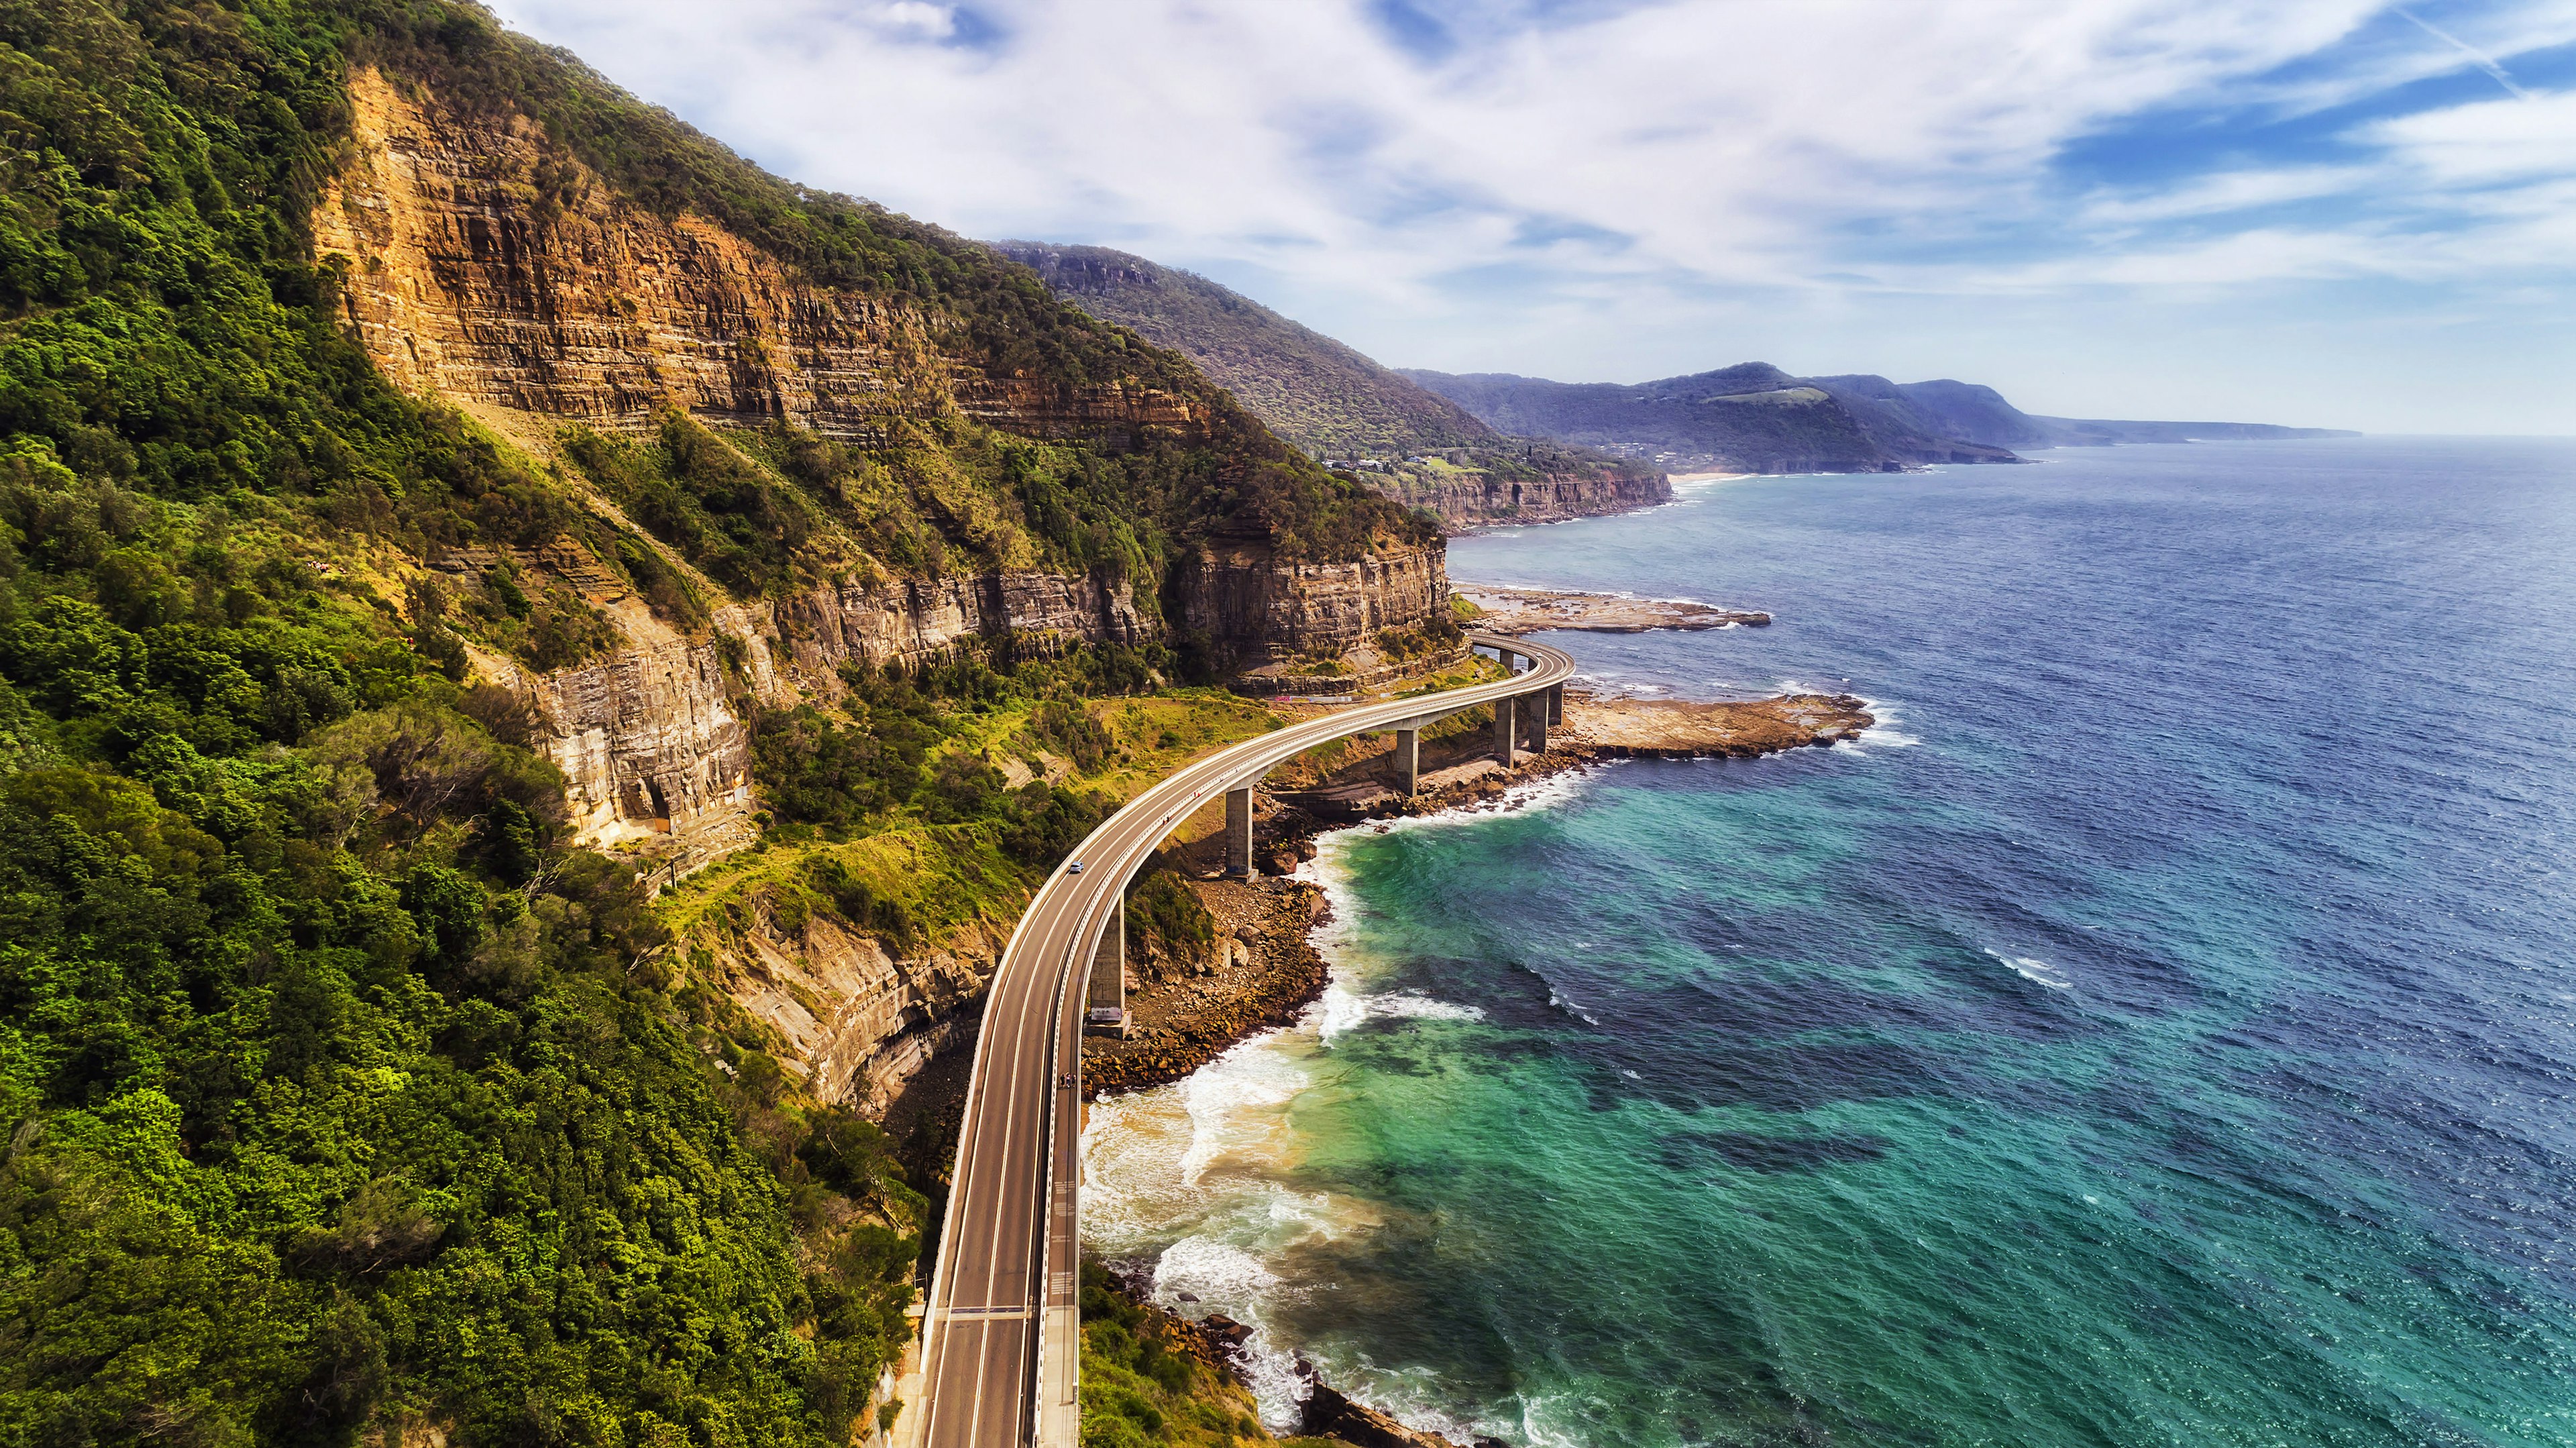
<point>1000,1357</point>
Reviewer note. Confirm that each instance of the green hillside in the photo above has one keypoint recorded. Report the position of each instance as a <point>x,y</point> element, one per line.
<point>346,1100</point>
<point>1312,390</point>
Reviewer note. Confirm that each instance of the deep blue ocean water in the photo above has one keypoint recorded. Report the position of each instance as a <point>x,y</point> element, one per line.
<point>2161,1030</point>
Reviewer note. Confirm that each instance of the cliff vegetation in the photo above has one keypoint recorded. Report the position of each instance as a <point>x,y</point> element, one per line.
<point>1395,436</point>
<point>348,1093</point>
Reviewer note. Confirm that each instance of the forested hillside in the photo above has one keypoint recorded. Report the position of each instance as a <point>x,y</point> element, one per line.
<point>1312,390</point>
<point>1407,443</point>
<point>348,1090</point>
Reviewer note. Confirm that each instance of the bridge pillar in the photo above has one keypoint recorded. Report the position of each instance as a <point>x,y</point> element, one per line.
<point>1238,832</point>
<point>1105,996</point>
<point>1535,706</point>
<point>1556,703</point>
<point>1503,709</point>
<point>1408,758</point>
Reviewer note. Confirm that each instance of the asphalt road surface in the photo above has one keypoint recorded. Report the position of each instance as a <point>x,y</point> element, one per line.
<point>1000,1354</point>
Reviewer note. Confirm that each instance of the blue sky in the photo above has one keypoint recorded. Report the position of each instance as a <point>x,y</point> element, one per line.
<point>2331,212</point>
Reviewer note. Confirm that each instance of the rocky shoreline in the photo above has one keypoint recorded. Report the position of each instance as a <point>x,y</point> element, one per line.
<point>1222,1343</point>
<point>1516,611</point>
<point>1262,972</point>
<point>1265,969</point>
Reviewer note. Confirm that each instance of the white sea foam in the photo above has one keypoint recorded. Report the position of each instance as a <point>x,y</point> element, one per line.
<point>1342,1009</point>
<point>1528,797</point>
<point>1210,1271</point>
<point>1415,1006</point>
<point>1885,733</point>
<point>1565,1003</point>
<point>1198,1176</point>
<point>2034,970</point>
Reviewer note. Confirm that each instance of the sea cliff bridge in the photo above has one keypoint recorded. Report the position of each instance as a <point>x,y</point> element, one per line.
<point>1001,1347</point>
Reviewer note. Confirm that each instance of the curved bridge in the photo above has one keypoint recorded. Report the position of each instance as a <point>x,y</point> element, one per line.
<point>1001,1341</point>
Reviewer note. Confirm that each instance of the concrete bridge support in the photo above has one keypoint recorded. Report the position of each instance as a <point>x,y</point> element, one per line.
<point>1408,759</point>
<point>1535,706</point>
<point>1105,997</point>
<point>1503,710</point>
<point>1556,703</point>
<point>1238,832</point>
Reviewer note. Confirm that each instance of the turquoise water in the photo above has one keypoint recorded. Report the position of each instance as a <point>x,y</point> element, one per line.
<point>2160,1030</point>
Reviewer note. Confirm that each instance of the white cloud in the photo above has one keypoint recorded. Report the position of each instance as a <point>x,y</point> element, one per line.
<point>2226,192</point>
<point>2500,141</point>
<point>1653,166</point>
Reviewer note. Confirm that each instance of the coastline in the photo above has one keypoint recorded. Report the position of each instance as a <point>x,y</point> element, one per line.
<point>1514,611</point>
<point>1263,969</point>
<point>1283,944</point>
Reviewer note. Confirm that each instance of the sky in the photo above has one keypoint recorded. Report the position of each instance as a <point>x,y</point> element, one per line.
<point>2331,213</point>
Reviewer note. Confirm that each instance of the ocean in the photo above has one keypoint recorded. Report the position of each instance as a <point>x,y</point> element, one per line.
<point>2159,1029</point>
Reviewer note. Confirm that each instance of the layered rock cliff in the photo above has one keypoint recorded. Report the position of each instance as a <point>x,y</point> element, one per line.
<point>1468,500</point>
<point>489,266</point>
<point>485,264</point>
<point>857,1020</point>
<point>1281,609</point>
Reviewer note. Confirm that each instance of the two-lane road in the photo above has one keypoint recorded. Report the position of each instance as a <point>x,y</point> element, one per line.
<point>1000,1354</point>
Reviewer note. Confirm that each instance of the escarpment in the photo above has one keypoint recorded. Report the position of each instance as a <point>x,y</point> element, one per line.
<point>1472,499</point>
<point>1278,611</point>
<point>857,1019</point>
<point>486,265</point>
<point>652,741</point>
<point>902,469</point>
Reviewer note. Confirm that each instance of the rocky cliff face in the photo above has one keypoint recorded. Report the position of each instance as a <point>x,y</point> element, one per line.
<point>858,1021</point>
<point>1472,501</point>
<point>487,266</point>
<point>1272,610</point>
<point>651,739</point>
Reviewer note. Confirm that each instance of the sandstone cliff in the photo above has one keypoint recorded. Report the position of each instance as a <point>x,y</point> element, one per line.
<point>483,263</point>
<point>1282,617</point>
<point>490,267</point>
<point>1468,500</point>
<point>857,1021</point>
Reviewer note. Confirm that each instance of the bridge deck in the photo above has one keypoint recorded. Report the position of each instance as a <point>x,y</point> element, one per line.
<point>1000,1351</point>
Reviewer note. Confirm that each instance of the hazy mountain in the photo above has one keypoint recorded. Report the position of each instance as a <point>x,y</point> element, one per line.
<point>1411,444</point>
<point>1756,418</point>
<point>1312,390</point>
<point>1751,418</point>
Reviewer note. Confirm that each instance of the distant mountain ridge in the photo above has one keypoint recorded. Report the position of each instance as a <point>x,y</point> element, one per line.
<point>1409,443</point>
<point>1753,417</point>
<point>1317,393</point>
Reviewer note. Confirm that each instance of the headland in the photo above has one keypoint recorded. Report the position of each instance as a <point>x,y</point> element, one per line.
<point>1517,611</point>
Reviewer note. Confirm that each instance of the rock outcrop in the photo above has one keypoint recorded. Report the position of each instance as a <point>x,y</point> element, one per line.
<point>652,739</point>
<point>1478,500</point>
<point>858,1021</point>
<point>1518,611</point>
<point>489,266</point>
<point>1268,609</point>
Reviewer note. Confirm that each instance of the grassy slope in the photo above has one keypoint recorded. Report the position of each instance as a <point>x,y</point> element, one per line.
<point>946,882</point>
